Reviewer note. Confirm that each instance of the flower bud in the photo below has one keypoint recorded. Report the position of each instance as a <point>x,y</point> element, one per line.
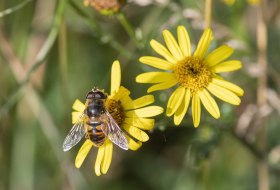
<point>106,7</point>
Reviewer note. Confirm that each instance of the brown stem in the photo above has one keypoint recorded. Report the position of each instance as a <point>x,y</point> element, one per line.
<point>208,13</point>
<point>262,93</point>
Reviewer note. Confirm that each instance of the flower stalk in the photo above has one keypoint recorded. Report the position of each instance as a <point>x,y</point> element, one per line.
<point>128,28</point>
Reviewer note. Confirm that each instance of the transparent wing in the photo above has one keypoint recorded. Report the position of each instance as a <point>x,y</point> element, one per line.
<point>113,131</point>
<point>76,134</point>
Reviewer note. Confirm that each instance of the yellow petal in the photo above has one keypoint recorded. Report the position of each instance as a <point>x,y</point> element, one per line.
<point>141,123</point>
<point>184,41</point>
<point>136,133</point>
<point>127,103</point>
<point>78,106</point>
<point>181,111</point>
<point>161,50</point>
<point>227,66</point>
<point>196,110</point>
<point>143,101</point>
<point>163,85</point>
<point>209,103</point>
<point>149,111</point>
<point>75,116</point>
<point>122,92</point>
<point>172,45</point>
<point>99,159</point>
<point>108,153</point>
<point>218,55</point>
<point>203,44</point>
<point>82,154</point>
<point>228,85</point>
<point>156,62</point>
<point>155,77</point>
<point>133,145</point>
<point>115,76</point>
<point>224,94</point>
<point>175,101</point>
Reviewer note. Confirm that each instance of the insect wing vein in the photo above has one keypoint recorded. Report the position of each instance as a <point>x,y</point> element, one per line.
<point>75,135</point>
<point>114,133</point>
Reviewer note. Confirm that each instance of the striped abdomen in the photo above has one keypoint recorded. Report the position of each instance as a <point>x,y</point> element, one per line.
<point>95,133</point>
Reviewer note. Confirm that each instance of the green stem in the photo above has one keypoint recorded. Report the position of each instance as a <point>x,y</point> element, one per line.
<point>13,9</point>
<point>129,29</point>
<point>205,167</point>
<point>62,50</point>
<point>40,58</point>
<point>13,99</point>
<point>84,15</point>
<point>98,33</point>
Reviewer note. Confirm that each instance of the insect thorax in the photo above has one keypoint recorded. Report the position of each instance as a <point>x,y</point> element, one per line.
<point>95,108</point>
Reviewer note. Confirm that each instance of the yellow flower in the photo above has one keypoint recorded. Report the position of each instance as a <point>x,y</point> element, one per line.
<point>251,2</point>
<point>132,116</point>
<point>195,74</point>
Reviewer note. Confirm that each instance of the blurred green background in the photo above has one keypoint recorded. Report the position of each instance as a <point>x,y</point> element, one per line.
<point>52,52</point>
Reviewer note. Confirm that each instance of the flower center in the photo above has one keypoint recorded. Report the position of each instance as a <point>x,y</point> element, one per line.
<point>192,73</point>
<point>116,110</point>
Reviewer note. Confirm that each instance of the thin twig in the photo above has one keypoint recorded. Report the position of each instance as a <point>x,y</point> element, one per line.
<point>129,29</point>
<point>41,56</point>
<point>262,93</point>
<point>49,129</point>
<point>39,60</point>
<point>98,33</point>
<point>13,9</point>
<point>62,50</point>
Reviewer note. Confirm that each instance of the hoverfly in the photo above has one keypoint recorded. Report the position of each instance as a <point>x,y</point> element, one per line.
<point>95,124</point>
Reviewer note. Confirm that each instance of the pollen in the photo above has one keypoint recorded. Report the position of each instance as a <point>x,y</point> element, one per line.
<point>193,73</point>
<point>116,110</point>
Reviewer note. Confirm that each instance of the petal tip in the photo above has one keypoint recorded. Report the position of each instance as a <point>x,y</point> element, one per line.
<point>141,59</point>
<point>169,112</point>
<point>145,138</point>
<point>137,79</point>
<point>97,173</point>
<point>77,165</point>
<point>161,110</point>
<point>217,116</point>
<point>150,90</point>
<point>181,26</point>
<point>241,93</point>
<point>116,62</point>
<point>177,122</point>
<point>153,42</point>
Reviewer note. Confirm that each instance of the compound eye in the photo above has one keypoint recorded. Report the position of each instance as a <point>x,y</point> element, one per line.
<point>90,95</point>
<point>100,95</point>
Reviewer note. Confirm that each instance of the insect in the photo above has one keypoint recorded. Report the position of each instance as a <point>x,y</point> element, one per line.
<point>95,124</point>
